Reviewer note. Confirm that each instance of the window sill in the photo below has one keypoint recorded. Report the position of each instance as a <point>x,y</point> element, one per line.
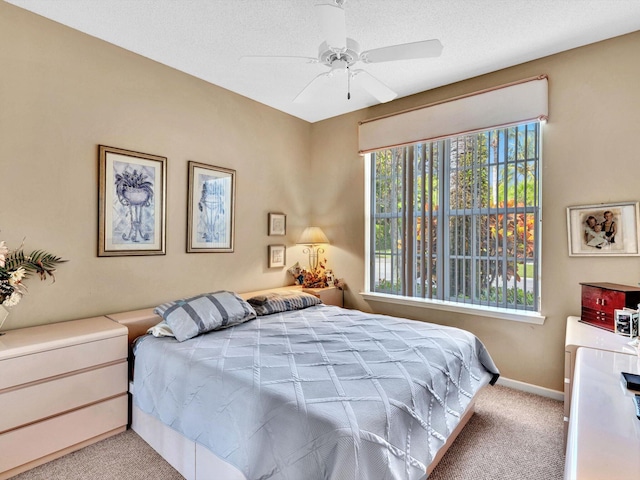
<point>484,311</point>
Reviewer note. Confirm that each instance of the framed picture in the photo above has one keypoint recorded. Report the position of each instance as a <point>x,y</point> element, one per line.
<point>626,322</point>
<point>606,229</point>
<point>210,215</point>
<point>277,224</point>
<point>132,203</point>
<point>277,256</point>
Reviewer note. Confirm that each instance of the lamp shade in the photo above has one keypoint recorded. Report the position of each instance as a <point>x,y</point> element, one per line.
<point>312,236</point>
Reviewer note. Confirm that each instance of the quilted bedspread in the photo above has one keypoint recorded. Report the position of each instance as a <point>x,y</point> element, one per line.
<point>319,393</point>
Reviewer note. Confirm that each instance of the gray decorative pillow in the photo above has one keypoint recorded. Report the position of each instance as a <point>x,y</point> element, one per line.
<point>282,302</point>
<point>190,317</point>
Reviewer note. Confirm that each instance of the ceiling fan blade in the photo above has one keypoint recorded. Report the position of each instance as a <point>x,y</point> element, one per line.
<point>374,86</point>
<point>277,59</point>
<point>313,88</point>
<point>333,25</point>
<point>404,51</point>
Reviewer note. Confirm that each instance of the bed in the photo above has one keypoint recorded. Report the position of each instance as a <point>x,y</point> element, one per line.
<point>304,392</point>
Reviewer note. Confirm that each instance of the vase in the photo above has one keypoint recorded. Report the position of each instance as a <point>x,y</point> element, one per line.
<point>136,196</point>
<point>4,313</point>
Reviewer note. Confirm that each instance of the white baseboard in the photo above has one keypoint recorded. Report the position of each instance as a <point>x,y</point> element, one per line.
<point>529,388</point>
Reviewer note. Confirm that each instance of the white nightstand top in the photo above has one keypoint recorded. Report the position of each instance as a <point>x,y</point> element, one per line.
<point>604,433</point>
<point>317,290</point>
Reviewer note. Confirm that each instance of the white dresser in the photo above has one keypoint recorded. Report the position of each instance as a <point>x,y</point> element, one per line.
<point>62,386</point>
<point>604,433</point>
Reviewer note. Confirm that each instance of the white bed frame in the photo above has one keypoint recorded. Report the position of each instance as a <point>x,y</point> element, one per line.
<point>190,459</point>
<point>195,462</point>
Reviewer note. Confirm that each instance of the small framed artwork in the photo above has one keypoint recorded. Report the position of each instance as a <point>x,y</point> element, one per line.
<point>626,322</point>
<point>210,211</point>
<point>606,229</point>
<point>132,203</point>
<point>277,256</point>
<point>277,224</point>
<point>330,277</point>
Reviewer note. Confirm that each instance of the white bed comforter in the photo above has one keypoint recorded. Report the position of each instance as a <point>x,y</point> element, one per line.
<point>319,393</point>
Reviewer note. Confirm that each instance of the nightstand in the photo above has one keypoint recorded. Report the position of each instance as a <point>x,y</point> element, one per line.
<point>62,386</point>
<point>328,295</point>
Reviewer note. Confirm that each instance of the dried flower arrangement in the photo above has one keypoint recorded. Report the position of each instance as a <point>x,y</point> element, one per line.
<point>15,267</point>
<point>315,279</point>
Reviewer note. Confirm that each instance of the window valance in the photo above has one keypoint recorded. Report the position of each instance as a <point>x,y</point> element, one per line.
<point>500,106</point>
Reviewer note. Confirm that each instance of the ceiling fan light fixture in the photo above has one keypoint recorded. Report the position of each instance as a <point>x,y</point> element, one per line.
<point>340,54</point>
<point>327,54</point>
<point>339,66</point>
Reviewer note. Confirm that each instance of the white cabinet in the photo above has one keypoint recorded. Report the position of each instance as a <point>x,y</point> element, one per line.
<point>62,386</point>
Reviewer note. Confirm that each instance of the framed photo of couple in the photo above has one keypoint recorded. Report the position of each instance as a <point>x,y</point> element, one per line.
<point>606,229</point>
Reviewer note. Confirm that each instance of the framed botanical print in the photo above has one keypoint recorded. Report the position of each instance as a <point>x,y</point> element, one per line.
<point>277,256</point>
<point>132,203</point>
<point>210,213</point>
<point>605,229</point>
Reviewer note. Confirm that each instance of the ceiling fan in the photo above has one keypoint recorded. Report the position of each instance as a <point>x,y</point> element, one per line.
<point>340,53</point>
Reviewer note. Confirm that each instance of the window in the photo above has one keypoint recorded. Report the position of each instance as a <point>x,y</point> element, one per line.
<point>458,219</point>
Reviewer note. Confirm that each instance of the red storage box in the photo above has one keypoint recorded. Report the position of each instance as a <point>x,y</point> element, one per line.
<point>600,300</point>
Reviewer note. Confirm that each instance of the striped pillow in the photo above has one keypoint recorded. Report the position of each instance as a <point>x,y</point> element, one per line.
<point>282,302</point>
<point>190,317</point>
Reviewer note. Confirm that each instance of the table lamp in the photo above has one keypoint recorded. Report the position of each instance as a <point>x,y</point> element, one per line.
<point>312,237</point>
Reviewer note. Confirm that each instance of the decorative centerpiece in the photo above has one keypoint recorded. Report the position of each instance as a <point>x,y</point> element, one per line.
<point>315,278</point>
<point>15,267</point>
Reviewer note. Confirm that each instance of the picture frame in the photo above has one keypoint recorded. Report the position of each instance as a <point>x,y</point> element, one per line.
<point>605,229</point>
<point>277,224</point>
<point>277,256</point>
<point>626,322</point>
<point>330,277</point>
<point>211,208</point>
<point>132,195</point>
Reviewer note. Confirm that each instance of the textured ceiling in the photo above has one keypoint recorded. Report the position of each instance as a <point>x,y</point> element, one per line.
<point>206,38</point>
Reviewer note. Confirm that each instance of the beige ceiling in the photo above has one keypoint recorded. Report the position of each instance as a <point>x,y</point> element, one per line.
<point>206,38</point>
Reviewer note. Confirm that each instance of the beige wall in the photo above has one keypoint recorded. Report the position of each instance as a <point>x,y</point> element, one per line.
<point>63,93</point>
<point>590,155</point>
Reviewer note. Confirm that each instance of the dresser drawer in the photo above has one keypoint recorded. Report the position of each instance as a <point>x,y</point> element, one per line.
<point>31,403</point>
<point>40,439</point>
<point>599,318</point>
<point>49,363</point>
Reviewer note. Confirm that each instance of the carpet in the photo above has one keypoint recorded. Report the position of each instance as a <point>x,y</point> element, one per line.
<point>513,435</point>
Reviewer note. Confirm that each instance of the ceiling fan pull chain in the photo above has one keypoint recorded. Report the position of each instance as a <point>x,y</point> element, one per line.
<point>348,84</point>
